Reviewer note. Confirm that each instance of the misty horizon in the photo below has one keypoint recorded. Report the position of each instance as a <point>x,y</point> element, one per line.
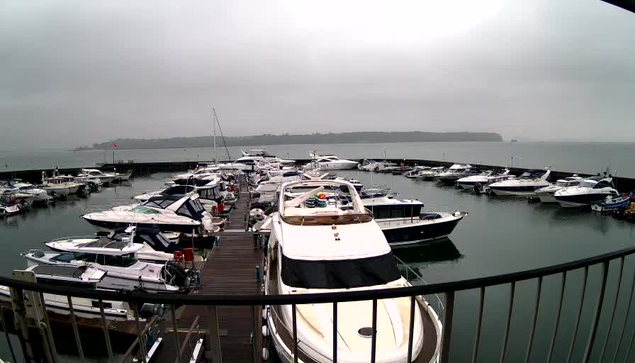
<point>76,73</point>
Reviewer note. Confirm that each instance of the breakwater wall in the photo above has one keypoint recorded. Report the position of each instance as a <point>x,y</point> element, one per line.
<point>142,168</point>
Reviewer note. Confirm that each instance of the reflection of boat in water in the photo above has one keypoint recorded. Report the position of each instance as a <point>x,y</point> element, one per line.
<point>443,250</point>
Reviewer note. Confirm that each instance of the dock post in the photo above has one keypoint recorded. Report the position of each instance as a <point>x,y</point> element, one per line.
<point>213,349</point>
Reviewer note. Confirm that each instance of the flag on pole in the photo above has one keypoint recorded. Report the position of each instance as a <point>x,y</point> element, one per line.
<point>114,145</point>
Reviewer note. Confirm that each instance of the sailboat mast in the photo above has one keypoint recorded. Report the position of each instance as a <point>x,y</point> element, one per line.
<point>215,148</point>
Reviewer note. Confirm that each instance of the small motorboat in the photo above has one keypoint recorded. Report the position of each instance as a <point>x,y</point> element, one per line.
<point>8,210</point>
<point>430,174</point>
<point>525,185</point>
<point>546,194</point>
<point>414,173</point>
<point>612,203</point>
<point>593,189</point>
<point>484,179</point>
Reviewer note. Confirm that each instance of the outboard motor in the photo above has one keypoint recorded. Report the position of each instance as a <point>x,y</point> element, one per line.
<point>256,215</point>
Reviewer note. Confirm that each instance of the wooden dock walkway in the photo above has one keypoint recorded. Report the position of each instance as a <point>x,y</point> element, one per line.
<point>229,270</point>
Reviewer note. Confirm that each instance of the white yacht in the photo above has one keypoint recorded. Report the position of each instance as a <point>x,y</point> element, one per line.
<point>104,177</point>
<point>524,185</point>
<point>37,195</point>
<point>59,186</point>
<point>202,175</point>
<point>156,246</point>
<point>169,214</point>
<point>330,162</point>
<point>368,165</point>
<point>456,172</point>
<point>430,174</point>
<point>593,189</point>
<point>118,259</point>
<point>210,195</point>
<point>484,179</point>
<point>414,173</point>
<point>546,194</point>
<point>252,157</point>
<point>319,246</point>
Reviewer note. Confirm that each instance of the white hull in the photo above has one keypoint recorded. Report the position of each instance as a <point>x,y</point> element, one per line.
<point>567,204</point>
<point>509,193</point>
<point>546,198</point>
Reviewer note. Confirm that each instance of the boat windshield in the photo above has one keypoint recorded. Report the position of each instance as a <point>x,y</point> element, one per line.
<point>339,274</point>
<point>587,184</point>
<point>144,210</point>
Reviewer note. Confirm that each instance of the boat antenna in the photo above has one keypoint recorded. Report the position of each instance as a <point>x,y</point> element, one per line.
<point>215,149</point>
<point>222,136</point>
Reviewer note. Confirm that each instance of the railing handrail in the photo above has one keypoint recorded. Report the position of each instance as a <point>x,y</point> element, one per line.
<point>316,298</point>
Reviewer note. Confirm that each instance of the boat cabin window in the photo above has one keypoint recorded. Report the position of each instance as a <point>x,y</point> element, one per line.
<point>191,209</point>
<point>144,210</point>
<point>602,184</point>
<point>339,274</point>
<point>587,184</point>
<point>106,305</point>
<point>126,260</point>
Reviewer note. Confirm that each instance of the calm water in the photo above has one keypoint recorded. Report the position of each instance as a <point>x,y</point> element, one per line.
<point>570,156</point>
<point>498,236</point>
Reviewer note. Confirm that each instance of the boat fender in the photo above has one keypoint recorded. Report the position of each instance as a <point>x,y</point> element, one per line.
<point>265,354</point>
<point>265,331</point>
<point>178,256</point>
<point>264,314</point>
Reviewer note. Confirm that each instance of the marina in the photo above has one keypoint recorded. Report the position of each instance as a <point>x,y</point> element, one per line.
<point>233,265</point>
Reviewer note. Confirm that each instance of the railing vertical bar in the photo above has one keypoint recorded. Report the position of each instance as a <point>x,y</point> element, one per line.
<point>598,313</point>
<point>78,340</point>
<point>295,333</point>
<point>373,346</point>
<point>512,292</point>
<point>49,331</point>
<point>617,297</point>
<point>335,332</point>
<point>535,320</point>
<point>447,327</point>
<point>6,333</point>
<point>628,312</point>
<point>175,328</point>
<point>411,327</point>
<point>552,345</point>
<point>142,343</point>
<point>577,322</point>
<point>630,346</point>
<point>104,324</point>
<point>479,324</point>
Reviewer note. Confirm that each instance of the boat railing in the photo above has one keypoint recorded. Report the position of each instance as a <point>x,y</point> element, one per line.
<point>416,279</point>
<point>601,328</point>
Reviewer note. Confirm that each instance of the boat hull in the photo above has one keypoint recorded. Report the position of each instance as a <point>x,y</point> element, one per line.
<point>163,227</point>
<point>579,200</point>
<point>517,191</point>
<point>402,233</point>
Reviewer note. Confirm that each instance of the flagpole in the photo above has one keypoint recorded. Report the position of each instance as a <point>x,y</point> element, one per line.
<point>215,149</point>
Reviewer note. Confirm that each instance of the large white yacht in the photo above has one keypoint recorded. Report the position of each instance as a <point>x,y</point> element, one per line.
<point>484,179</point>
<point>320,245</point>
<point>330,162</point>
<point>254,156</point>
<point>104,177</point>
<point>524,185</point>
<point>118,259</point>
<point>593,189</point>
<point>546,194</point>
<point>169,214</point>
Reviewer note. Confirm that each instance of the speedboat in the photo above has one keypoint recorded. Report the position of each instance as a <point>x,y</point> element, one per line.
<point>169,214</point>
<point>37,195</point>
<point>157,247</point>
<point>8,210</point>
<point>430,174</point>
<point>456,172</point>
<point>104,177</point>
<point>118,258</point>
<point>404,224</point>
<point>200,176</point>
<point>546,194</point>
<point>368,165</point>
<point>210,195</point>
<point>593,189</point>
<point>76,276</point>
<point>330,162</point>
<point>484,179</point>
<point>414,173</point>
<point>524,185</point>
<point>320,245</point>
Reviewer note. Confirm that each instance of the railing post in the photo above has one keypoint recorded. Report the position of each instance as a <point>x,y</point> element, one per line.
<point>104,324</point>
<point>78,340</point>
<point>535,319</point>
<point>175,328</point>
<point>598,312</point>
<point>509,321</point>
<point>447,327</point>
<point>214,350</point>
<point>552,345</point>
<point>411,326</point>
<point>628,312</point>
<point>142,342</point>
<point>373,346</point>
<point>335,334</point>
<point>577,323</point>
<point>6,334</point>
<point>479,324</point>
<point>617,297</point>
<point>295,332</point>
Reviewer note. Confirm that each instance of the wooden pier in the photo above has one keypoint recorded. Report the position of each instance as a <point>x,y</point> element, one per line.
<point>230,269</point>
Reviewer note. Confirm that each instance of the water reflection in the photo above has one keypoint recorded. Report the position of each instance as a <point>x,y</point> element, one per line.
<point>442,250</point>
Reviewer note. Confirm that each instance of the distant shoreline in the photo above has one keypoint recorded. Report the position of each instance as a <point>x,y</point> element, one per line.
<point>286,139</point>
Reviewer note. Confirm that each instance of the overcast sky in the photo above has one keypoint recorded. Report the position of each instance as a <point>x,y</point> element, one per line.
<point>78,72</point>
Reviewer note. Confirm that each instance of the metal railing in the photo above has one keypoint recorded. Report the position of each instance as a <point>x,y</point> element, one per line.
<point>448,289</point>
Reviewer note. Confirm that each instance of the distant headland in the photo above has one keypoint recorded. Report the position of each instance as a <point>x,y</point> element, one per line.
<point>370,137</point>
